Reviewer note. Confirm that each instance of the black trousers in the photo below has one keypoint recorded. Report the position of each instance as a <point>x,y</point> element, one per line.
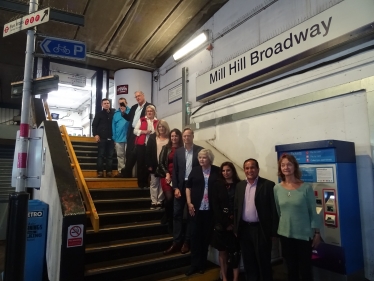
<point>142,172</point>
<point>256,252</point>
<point>298,257</point>
<point>201,233</point>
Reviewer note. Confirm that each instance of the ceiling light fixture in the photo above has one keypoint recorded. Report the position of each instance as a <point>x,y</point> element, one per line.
<point>192,45</point>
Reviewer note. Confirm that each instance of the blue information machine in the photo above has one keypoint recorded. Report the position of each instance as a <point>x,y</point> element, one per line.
<point>36,240</point>
<point>330,166</point>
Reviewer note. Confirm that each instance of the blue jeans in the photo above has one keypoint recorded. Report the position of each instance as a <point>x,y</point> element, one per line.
<point>178,233</point>
<point>105,149</point>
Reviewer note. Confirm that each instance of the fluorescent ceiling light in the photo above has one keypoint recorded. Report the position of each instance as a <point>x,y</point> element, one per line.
<point>86,88</point>
<point>192,45</point>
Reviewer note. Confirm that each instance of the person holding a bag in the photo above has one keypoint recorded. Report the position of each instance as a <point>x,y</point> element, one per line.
<point>165,170</point>
<point>224,239</point>
<point>153,149</point>
<point>145,127</point>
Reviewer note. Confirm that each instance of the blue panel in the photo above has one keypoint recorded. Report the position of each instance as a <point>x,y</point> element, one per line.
<point>344,150</point>
<point>315,156</point>
<point>349,212</point>
<point>64,48</point>
<point>36,240</point>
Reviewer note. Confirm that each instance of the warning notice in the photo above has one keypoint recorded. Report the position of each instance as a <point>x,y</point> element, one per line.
<point>75,235</point>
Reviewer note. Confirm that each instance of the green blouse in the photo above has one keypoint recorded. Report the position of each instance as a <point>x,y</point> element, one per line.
<point>297,211</point>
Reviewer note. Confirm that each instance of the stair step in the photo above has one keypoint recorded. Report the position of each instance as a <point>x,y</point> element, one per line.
<point>113,250</point>
<point>135,267</point>
<point>125,231</point>
<point>129,216</point>
<point>122,204</point>
<point>118,193</point>
<point>211,273</point>
<point>93,173</point>
<point>111,182</point>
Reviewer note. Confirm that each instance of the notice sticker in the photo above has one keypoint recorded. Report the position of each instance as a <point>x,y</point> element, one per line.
<point>325,175</point>
<point>75,235</point>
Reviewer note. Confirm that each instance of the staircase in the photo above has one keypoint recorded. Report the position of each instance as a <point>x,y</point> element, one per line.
<point>6,163</point>
<point>131,239</point>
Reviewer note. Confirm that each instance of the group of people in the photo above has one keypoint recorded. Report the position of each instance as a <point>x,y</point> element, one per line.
<point>237,217</point>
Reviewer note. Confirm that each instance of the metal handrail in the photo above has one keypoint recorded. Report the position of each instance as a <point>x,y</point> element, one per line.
<point>90,206</point>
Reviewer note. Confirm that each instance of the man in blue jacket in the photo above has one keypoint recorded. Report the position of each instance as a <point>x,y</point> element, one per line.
<point>119,129</point>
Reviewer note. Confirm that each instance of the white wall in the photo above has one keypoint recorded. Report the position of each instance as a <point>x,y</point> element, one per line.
<point>348,117</point>
<point>48,193</point>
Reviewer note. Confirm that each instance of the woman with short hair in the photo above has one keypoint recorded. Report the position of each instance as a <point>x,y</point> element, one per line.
<point>203,182</point>
<point>145,127</point>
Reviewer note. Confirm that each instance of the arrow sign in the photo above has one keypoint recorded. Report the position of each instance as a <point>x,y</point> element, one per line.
<point>63,48</point>
<point>26,22</point>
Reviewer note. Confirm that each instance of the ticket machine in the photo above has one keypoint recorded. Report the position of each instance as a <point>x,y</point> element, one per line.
<point>330,166</point>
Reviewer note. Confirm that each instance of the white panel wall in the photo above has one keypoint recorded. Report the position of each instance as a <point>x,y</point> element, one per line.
<point>137,80</point>
<point>348,118</point>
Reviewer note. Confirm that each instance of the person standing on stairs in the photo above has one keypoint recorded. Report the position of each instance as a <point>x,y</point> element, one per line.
<point>154,145</point>
<point>145,127</point>
<point>119,129</point>
<point>166,166</point>
<point>102,130</point>
<point>185,158</point>
<point>136,112</point>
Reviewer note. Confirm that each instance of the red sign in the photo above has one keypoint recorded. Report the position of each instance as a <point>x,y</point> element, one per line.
<point>37,17</point>
<point>122,89</point>
<point>26,21</point>
<point>75,235</point>
<point>32,19</point>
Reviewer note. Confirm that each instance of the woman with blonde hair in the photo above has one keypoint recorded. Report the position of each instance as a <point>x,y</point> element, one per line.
<point>203,182</point>
<point>154,147</point>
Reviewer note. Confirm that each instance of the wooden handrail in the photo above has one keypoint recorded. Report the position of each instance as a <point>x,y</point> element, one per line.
<point>90,206</point>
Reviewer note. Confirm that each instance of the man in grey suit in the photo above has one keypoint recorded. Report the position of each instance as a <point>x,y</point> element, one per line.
<point>185,158</point>
<point>255,222</point>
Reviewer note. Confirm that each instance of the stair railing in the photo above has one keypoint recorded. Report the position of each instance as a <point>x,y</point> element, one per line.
<point>90,206</point>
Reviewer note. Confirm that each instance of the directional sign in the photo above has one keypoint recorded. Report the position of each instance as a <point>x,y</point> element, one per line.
<point>26,22</point>
<point>63,48</point>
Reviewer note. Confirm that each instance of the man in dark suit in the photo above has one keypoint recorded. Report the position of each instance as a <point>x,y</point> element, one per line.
<point>136,112</point>
<point>185,158</point>
<point>255,222</point>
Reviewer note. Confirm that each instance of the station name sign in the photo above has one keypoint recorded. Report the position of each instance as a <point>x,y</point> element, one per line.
<point>323,31</point>
<point>26,22</point>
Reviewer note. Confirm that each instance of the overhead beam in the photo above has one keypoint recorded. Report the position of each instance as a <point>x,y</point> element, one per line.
<point>56,15</point>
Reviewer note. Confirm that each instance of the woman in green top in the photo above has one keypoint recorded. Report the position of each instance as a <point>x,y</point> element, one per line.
<point>298,219</point>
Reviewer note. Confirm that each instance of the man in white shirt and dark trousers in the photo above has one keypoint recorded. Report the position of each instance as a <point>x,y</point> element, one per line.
<point>185,158</point>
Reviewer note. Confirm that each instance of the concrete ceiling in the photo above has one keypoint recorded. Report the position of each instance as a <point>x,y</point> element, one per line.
<point>119,34</point>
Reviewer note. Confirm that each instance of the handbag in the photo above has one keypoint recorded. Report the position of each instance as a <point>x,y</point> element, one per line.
<point>160,173</point>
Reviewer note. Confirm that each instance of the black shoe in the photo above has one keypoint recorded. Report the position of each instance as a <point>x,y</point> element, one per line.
<point>153,206</point>
<point>193,270</point>
<point>158,206</point>
<point>119,175</point>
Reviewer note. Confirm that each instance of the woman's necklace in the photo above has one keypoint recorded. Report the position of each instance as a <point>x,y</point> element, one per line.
<point>289,194</point>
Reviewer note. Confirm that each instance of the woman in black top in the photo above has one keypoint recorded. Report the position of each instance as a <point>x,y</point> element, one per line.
<point>224,239</point>
<point>203,183</point>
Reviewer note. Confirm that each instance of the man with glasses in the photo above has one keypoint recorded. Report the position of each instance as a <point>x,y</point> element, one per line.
<point>119,128</point>
<point>136,112</point>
